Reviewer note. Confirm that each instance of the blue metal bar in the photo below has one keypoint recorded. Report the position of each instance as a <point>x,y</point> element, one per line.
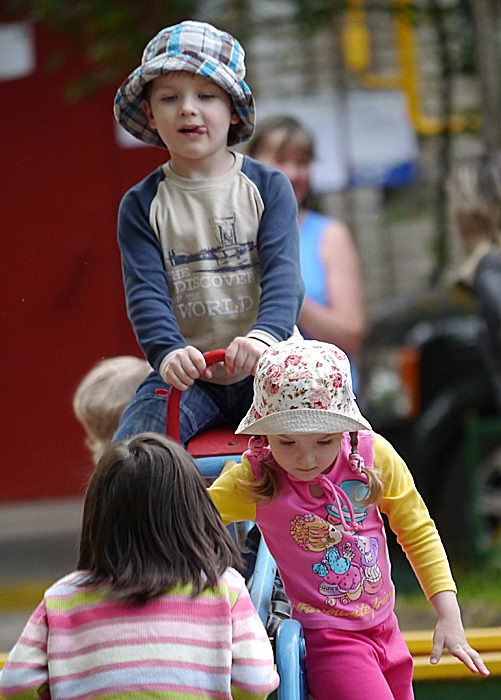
<point>290,652</point>
<point>211,467</point>
<point>263,578</point>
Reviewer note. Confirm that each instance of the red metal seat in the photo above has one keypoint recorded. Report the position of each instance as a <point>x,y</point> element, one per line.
<point>219,441</point>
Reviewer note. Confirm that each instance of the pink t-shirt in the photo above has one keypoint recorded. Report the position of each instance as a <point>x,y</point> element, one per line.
<point>331,551</point>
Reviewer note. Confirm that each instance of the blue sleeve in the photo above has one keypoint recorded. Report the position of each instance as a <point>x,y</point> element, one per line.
<point>282,287</point>
<point>149,305</point>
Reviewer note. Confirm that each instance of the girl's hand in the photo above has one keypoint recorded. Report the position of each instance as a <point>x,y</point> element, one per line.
<point>184,366</point>
<point>242,354</point>
<point>449,633</point>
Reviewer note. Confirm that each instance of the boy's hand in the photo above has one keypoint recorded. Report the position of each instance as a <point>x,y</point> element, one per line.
<point>184,366</point>
<point>449,633</point>
<point>242,354</point>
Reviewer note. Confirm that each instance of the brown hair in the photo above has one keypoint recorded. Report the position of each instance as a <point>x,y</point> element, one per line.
<point>265,489</point>
<point>102,396</point>
<point>149,524</point>
<point>294,135</point>
<point>474,198</point>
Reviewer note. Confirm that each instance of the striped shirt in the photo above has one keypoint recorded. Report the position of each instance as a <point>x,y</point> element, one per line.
<point>82,643</point>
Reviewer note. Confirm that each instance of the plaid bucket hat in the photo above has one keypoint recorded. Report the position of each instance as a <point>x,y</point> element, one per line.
<point>303,387</point>
<point>196,47</point>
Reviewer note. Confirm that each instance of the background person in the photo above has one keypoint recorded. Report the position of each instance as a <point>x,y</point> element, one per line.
<point>333,308</point>
<point>156,607</point>
<point>474,200</point>
<point>102,396</point>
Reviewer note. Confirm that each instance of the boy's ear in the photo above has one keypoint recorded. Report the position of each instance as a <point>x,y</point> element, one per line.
<point>234,119</point>
<point>146,107</point>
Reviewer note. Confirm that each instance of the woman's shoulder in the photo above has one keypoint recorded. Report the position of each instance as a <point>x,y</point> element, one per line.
<point>316,219</point>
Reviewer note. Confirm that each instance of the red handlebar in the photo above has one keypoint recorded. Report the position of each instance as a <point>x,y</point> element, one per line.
<point>172,427</point>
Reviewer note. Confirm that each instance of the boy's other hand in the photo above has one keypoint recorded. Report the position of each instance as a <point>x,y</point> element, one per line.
<point>184,366</point>
<point>242,354</point>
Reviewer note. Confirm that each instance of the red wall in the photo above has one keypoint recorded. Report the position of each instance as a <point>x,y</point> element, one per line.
<point>62,300</point>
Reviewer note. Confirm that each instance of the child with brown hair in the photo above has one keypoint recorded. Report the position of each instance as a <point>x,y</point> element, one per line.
<point>155,607</point>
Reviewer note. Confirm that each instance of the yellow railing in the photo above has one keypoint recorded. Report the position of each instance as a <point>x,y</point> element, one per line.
<point>357,57</point>
<point>486,640</point>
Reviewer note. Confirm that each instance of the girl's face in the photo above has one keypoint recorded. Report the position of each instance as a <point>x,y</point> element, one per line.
<point>291,160</point>
<point>305,455</point>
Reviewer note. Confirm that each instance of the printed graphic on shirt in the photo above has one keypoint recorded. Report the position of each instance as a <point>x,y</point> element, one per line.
<point>228,250</point>
<point>348,563</point>
<point>218,279</point>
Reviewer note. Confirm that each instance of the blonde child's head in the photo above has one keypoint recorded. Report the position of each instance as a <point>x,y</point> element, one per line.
<point>303,403</point>
<point>102,396</point>
<point>197,48</point>
<point>149,524</point>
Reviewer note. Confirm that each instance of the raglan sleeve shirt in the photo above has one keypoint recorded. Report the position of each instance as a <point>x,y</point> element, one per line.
<point>150,306</point>
<point>406,511</point>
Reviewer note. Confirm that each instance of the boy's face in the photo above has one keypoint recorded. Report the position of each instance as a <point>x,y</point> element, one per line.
<point>307,455</point>
<point>192,115</point>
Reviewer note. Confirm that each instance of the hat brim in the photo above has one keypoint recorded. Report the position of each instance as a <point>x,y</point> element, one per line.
<point>130,114</point>
<point>302,420</point>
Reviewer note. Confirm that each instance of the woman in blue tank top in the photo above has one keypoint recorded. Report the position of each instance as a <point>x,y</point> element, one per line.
<point>333,308</point>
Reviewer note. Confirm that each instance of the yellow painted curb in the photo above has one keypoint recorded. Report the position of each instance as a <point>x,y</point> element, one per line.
<point>486,640</point>
<point>449,667</point>
<point>480,638</point>
<point>22,596</point>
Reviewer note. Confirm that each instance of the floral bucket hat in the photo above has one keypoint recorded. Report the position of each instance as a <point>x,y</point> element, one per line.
<point>196,47</point>
<point>303,387</point>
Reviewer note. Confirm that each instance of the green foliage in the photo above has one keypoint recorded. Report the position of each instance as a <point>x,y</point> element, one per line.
<point>316,14</point>
<point>110,34</point>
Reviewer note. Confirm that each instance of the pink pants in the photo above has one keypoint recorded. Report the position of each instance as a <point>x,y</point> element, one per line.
<point>357,665</point>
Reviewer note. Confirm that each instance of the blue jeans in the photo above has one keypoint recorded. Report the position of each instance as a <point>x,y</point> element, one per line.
<point>203,405</point>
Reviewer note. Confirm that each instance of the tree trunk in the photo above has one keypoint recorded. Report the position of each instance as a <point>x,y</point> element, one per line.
<point>487,21</point>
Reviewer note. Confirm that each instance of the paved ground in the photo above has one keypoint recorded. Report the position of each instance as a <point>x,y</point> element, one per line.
<point>38,544</point>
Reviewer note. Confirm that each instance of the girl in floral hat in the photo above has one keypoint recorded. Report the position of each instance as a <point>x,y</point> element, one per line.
<point>316,480</point>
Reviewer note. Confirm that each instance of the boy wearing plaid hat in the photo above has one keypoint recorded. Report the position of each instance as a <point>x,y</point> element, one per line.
<point>209,240</point>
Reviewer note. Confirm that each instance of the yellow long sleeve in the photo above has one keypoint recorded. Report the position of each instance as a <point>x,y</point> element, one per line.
<point>230,501</point>
<point>410,520</point>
